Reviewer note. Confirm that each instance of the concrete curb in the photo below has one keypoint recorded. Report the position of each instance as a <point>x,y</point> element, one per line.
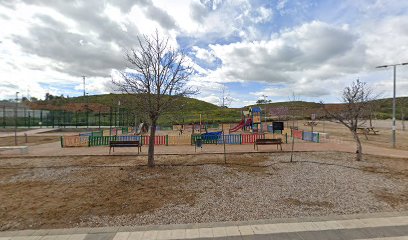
<point>114,229</point>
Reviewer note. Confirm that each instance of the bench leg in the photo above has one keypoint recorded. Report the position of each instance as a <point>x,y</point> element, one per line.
<point>280,146</point>
<point>110,150</point>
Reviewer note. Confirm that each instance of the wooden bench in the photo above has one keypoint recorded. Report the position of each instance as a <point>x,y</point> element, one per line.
<point>273,141</point>
<point>367,130</point>
<point>372,130</point>
<point>23,149</point>
<point>113,144</point>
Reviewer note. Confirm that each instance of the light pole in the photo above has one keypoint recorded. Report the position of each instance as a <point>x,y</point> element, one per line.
<point>15,118</point>
<point>394,128</point>
<point>118,116</point>
<point>87,111</point>
<point>83,78</point>
<point>264,96</point>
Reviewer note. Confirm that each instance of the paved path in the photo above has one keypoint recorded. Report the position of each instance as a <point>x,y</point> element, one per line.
<point>381,226</point>
<point>28,132</point>
<point>49,149</point>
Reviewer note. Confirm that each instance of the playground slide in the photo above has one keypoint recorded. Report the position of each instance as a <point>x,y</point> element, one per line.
<point>139,129</point>
<point>239,126</point>
<point>248,122</point>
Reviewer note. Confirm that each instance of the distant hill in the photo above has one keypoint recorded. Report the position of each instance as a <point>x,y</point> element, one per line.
<point>193,108</point>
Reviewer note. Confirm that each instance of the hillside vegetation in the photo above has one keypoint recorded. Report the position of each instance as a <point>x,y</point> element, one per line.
<point>192,108</point>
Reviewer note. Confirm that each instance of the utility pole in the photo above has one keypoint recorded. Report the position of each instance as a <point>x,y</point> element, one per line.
<point>15,117</point>
<point>83,78</point>
<point>264,96</point>
<point>394,128</point>
<point>87,111</point>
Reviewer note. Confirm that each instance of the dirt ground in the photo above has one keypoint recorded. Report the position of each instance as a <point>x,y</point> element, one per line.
<point>382,139</point>
<point>29,141</point>
<point>57,192</point>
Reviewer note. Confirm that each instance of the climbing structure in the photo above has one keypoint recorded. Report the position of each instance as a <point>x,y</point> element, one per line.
<point>255,113</point>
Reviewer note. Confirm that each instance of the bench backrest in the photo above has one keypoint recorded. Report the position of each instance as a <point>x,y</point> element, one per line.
<point>124,142</point>
<point>274,140</point>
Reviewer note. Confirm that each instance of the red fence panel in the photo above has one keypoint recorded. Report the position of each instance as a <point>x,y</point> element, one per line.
<point>160,140</point>
<point>297,134</point>
<point>250,138</point>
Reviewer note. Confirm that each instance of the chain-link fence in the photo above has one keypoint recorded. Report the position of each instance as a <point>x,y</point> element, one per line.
<point>28,118</point>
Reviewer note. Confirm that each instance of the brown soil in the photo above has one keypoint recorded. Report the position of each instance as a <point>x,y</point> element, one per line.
<point>61,192</point>
<point>30,141</point>
<point>393,199</point>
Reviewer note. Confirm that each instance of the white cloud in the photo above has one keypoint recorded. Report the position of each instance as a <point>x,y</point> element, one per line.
<point>314,50</point>
<point>48,45</point>
<point>204,54</point>
<point>263,15</point>
<point>281,4</point>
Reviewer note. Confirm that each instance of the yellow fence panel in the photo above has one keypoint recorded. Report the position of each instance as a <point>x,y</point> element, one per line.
<point>179,140</point>
<point>75,141</point>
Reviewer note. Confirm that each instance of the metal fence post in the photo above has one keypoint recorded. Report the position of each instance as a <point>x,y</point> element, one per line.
<point>4,116</point>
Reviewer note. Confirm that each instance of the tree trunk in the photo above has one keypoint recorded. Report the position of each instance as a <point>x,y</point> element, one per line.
<point>359,151</point>
<point>150,153</point>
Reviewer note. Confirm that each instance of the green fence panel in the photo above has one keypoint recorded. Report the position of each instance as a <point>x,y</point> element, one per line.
<point>101,140</point>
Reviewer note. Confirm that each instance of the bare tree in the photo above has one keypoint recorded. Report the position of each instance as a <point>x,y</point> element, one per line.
<point>356,99</point>
<point>157,76</point>
<point>293,111</point>
<point>225,99</point>
<point>403,101</point>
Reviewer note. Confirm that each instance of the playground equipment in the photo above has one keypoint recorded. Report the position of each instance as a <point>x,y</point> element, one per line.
<point>141,129</point>
<point>251,120</point>
<point>241,125</point>
<point>276,127</point>
<point>255,113</point>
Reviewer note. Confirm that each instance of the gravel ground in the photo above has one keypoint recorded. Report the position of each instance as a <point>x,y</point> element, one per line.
<point>319,184</point>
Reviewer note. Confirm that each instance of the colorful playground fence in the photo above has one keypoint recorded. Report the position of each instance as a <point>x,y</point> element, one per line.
<point>297,134</point>
<point>74,141</point>
<point>250,138</point>
<point>311,136</point>
<point>218,138</point>
<point>179,140</point>
<point>306,136</point>
<point>230,139</point>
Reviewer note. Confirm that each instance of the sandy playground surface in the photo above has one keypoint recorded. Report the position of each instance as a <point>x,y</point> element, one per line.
<point>58,192</point>
<point>54,187</point>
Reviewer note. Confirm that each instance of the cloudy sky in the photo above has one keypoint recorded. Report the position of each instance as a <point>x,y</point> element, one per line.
<point>250,48</point>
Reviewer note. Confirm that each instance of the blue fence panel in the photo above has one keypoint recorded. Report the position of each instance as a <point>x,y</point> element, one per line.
<point>307,136</point>
<point>312,137</point>
<point>230,139</point>
<point>211,137</point>
<point>129,138</point>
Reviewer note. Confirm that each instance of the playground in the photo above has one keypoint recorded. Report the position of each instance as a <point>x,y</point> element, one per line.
<point>204,173</point>
<point>84,191</point>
